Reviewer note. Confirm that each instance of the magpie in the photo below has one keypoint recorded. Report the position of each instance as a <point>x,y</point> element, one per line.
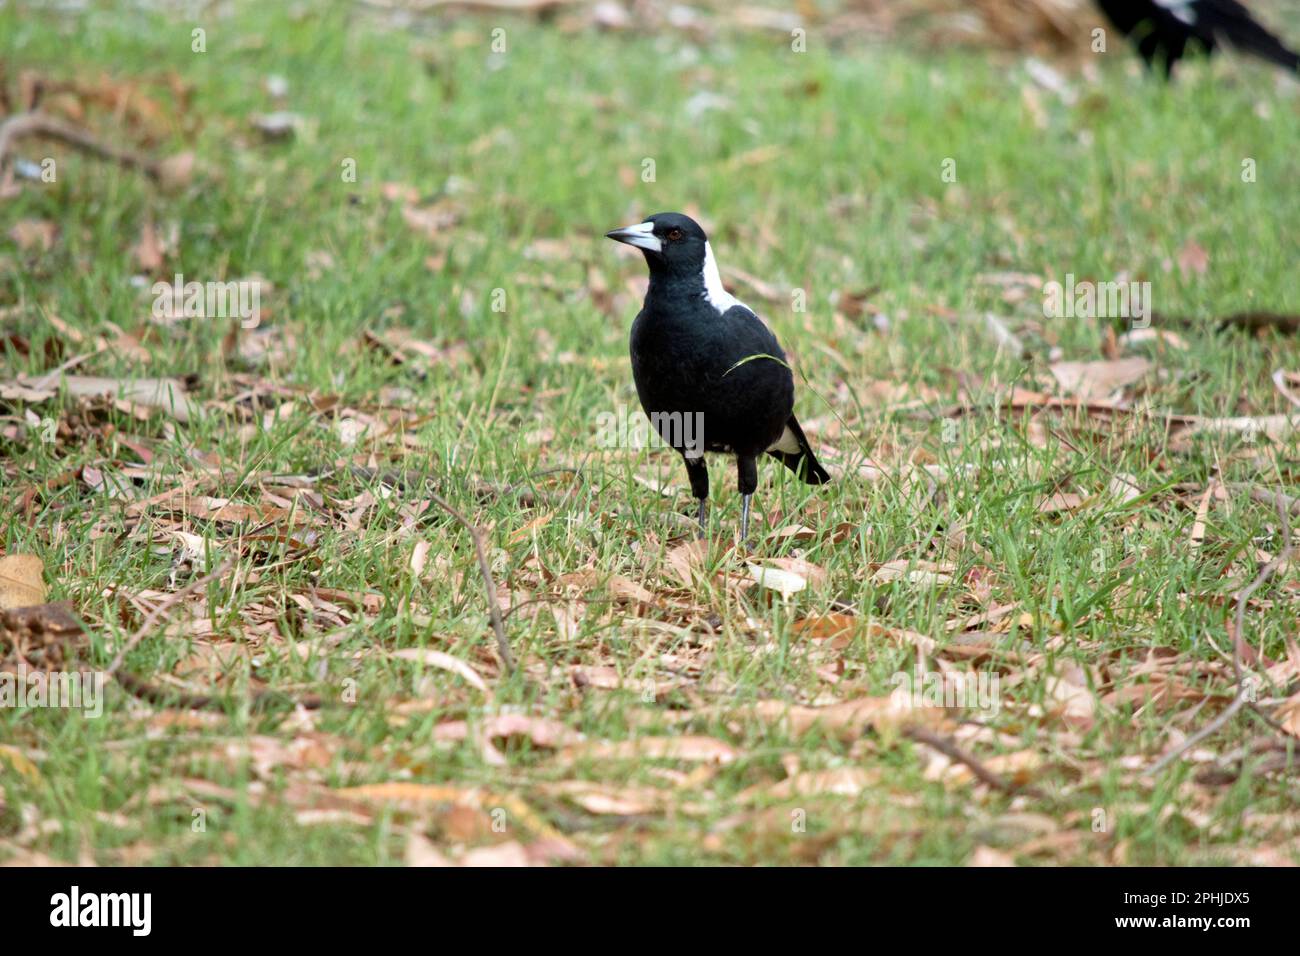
<point>709,372</point>
<point>1166,30</point>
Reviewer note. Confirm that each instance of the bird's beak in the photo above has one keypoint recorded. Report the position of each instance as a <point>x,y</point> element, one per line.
<point>642,235</point>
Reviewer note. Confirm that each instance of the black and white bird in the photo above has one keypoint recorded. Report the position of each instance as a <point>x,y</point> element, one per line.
<point>1164,31</point>
<point>710,374</point>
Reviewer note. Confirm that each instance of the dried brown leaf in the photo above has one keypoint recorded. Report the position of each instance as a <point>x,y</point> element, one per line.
<point>541,731</point>
<point>22,582</point>
<point>443,661</point>
<point>1192,257</point>
<point>1097,380</point>
<point>688,748</point>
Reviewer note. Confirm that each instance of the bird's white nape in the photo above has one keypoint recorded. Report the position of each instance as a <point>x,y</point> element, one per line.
<point>714,292</point>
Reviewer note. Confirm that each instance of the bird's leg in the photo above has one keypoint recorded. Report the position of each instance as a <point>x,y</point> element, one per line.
<point>698,472</point>
<point>747,474</point>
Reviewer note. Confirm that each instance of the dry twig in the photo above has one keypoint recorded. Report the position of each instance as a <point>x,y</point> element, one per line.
<point>38,124</point>
<point>952,751</point>
<point>489,585</point>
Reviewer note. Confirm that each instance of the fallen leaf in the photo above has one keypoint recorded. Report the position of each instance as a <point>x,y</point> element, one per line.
<point>419,557</point>
<point>625,589</point>
<point>820,627</point>
<point>30,233</point>
<point>542,731</point>
<point>430,221</point>
<point>1192,257</point>
<point>331,818</point>
<point>541,521</point>
<point>1197,536</point>
<point>1273,427</point>
<point>176,172</point>
<point>167,394</point>
<point>839,781</point>
<point>783,582</point>
<point>1061,502</point>
<point>460,823</point>
<point>604,800</point>
<point>403,791</point>
<point>686,748</point>
<point>686,560</point>
<point>1097,380</point>
<point>914,572</point>
<point>22,581</point>
<point>1142,336</point>
<point>850,719</point>
<point>510,854</point>
<point>1288,715</point>
<point>420,851</point>
<point>148,250</point>
<point>18,760</point>
<point>792,532</point>
<point>813,574</point>
<point>987,856</point>
<point>1124,487</point>
<point>432,658</point>
<point>410,794</point>
<point>608,678</point>
<point>1074,701</point>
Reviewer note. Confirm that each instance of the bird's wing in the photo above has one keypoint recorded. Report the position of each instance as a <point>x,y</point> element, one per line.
<point>749,336</point>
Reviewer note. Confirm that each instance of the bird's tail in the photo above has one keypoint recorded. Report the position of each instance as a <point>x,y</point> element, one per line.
<point>1245,33</point>
<point>793,451</point>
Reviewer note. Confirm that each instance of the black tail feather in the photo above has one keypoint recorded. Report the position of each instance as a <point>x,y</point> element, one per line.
<point>1246,34</point>
<point>804,463</point>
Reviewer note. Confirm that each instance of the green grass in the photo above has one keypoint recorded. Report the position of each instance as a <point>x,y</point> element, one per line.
<point>824,175</point>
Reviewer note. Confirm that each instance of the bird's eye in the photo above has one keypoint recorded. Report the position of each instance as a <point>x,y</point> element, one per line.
<point>674,234</point>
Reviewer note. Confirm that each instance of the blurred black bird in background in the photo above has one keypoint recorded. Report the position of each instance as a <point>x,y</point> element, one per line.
<point>1165,30</point>
<point>710,374</point>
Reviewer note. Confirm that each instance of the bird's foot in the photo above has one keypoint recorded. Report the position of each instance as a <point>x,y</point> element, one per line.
<point>703,517</point>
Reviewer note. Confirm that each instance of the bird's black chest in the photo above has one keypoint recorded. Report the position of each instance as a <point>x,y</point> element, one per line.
<point>685,365</point>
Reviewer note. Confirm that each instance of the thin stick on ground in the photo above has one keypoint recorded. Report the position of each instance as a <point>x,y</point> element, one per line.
<point>1265,497</point>
<point>489,585</point>
<point>1244,696</point>
<point>38,124</point>
<point>952,751</point>
<point>172,697</point>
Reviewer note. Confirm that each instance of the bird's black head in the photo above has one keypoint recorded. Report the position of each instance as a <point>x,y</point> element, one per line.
<point>672,243</point>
